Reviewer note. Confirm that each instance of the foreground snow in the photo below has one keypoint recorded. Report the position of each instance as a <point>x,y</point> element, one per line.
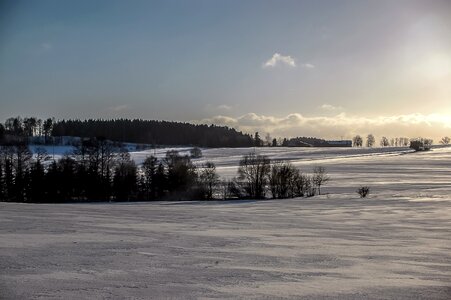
<point>324,247</point>
<point>393,245</point>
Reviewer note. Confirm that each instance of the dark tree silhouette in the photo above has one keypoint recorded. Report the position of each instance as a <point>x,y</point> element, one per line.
<point>320,177</point>
<point>151,132</point>
<point>208,180</point>
<point>357,141</point>
<point>370,140</point>
<point>181,174</point>
<point>254,171</point>
<point>125,178</point>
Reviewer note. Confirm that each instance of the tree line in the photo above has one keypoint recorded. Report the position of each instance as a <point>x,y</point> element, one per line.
<point>154,132</point>
<point>370,141</point>
<point>125,130</point>
<point>101,170</point>
<point>143,132</point>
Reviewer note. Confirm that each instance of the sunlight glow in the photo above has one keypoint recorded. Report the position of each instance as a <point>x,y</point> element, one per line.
<point>436,66</point>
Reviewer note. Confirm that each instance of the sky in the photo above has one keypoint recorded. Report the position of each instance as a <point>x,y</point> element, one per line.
<point>329,69</point>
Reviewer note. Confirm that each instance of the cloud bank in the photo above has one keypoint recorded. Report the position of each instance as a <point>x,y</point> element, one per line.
<point>411,125</point>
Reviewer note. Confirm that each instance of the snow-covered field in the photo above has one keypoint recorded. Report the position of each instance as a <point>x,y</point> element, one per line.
<point>396,244</point>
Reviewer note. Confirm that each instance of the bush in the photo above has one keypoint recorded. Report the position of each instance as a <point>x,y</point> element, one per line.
<point>208,181</point>
<point>285,181</point>
<point>281,180</point>
<point>253,174</point>
<point>363,191</point>
<point>233,189</point>
<point>195,152</point>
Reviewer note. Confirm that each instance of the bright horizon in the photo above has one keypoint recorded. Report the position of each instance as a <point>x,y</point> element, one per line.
<point>292,68</point>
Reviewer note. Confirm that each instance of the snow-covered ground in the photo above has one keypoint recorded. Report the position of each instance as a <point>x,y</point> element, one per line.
<point>396,244</point>
<point>389,170</point>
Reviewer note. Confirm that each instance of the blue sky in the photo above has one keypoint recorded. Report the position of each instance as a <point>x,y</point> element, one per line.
<point>284,67</point>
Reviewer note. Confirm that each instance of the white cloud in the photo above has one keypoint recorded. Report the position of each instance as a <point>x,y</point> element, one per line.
<point>278,59</point>
<point>340,125</point>
<point>330,107</point>
<point>308,66</point>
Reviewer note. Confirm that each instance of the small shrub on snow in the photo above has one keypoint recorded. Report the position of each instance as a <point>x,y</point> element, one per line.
<point>196,152</point>
<point>363,191</point>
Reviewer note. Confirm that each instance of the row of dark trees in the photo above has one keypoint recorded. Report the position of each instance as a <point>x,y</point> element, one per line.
<point>132,131</point>
<point>154,132</point>
<point>370,141</point>
<point>395,142</point>
<point>257,176</point>
<point>26,127</point>
<point>99,170</point>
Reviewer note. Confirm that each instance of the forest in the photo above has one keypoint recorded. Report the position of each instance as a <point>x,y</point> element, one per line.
<point>154,132</point>
<point>150,132</point>
<point>131,131</point>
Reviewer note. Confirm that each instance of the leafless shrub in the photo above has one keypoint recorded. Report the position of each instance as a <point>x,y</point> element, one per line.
<point>363,191</point>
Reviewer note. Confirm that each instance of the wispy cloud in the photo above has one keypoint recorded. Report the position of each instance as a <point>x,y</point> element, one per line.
<point>224,107</point>
<point>330,107</point>
<point>118,108</point>
<point>279,59</point>
<point>308,66</point>
<point>340,125</point>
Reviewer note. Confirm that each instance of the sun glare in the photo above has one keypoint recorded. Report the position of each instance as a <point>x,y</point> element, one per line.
<point>436,66</point>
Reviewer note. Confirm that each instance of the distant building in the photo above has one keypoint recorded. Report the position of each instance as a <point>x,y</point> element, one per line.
<point>341,143</point>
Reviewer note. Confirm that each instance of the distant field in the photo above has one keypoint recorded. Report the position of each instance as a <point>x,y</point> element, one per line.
<point>396,244</point>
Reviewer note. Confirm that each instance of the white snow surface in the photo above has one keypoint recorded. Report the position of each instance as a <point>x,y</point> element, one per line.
<point>395,244</point>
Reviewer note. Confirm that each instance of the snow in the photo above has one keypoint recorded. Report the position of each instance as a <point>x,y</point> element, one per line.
<point>393,245</point>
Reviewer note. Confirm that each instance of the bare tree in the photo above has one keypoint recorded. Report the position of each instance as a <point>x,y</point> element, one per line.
<point>370,140</point>
<point>320,177</point>
<point>253,171</point>
<point>268,140</point>
<point>281,180</point>
<point>445,140</point>
<point>208,180</point>
<point>357,141</point>
<point>384,142</point>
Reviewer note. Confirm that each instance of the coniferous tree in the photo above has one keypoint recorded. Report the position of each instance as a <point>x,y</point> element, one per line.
<point>21,162</point>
